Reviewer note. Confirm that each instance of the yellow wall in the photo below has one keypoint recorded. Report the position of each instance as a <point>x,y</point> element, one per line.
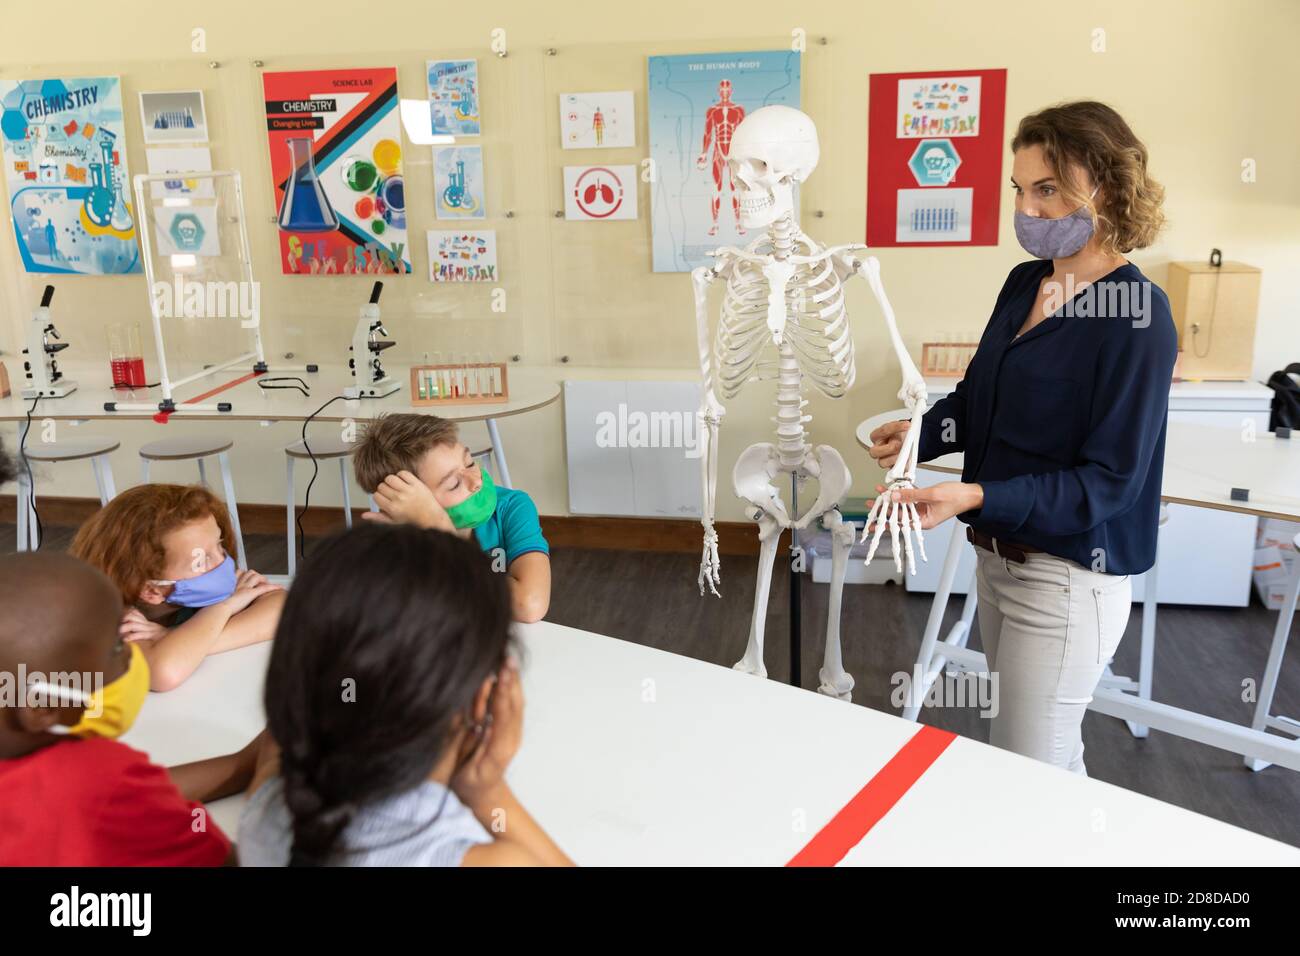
<point>1204,83</point>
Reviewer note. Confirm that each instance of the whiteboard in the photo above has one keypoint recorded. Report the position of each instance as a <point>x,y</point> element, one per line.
<point>633,448</point>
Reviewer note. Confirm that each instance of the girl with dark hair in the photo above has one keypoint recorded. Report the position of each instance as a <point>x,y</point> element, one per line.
<point>396,704</point>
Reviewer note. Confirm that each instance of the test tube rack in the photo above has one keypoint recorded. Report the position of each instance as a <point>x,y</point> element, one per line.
<point>946,359</point>
<point>466,384</point>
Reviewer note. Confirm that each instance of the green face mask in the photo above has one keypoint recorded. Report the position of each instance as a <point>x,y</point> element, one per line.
<point>477,508</point>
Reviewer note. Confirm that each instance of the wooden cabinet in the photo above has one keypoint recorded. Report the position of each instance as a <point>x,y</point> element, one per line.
<point>1214,310</point>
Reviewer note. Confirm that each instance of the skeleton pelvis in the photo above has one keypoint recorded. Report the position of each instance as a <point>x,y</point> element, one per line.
<point>759,466</point>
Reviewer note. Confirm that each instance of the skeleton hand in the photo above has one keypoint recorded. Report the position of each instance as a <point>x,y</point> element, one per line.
<point>901,517</point>
<point>710,564</point>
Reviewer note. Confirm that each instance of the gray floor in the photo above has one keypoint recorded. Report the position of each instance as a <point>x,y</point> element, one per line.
<point>1202,657</point>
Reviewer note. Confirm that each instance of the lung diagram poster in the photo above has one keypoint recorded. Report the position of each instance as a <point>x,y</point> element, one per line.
<point>336,163</point>
<point>65,166</point>
<point>696,102</point>
<point>934,158</point>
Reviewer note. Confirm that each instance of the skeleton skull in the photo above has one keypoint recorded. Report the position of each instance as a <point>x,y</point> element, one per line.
<point>773,148</point>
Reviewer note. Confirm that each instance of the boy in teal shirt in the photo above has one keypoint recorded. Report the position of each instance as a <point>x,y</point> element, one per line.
<point>420,473</point>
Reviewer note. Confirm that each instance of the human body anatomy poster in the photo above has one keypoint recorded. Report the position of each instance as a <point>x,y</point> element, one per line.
<point>453,97</point>
<point>65,166</point>
<point>597,120</point>
<point>934,158</point>
<point>696,102</point>
<point>463,255</point>
<point>336,164</point>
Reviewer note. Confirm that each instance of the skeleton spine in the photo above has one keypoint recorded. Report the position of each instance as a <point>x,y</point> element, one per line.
<point>790,442</point>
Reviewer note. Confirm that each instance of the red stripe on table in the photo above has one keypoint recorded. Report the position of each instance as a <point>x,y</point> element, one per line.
<point>220,388</point>
<point>847,828</point>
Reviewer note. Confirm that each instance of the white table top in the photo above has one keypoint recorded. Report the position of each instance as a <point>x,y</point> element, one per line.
<point>529,389</point>
<point>1203,463</point>
<point>637,756</point>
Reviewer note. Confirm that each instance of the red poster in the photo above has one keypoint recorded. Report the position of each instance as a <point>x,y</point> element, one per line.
<point>336,159</point>
<point>935,143</point>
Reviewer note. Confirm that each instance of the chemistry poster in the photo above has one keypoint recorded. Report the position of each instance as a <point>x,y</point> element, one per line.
<point>934,158</point>
<point>65,166</point>
<point>469,256</point>
<point>696,103</point>
<point>458,182</point>
<point>453,97</point>
<point>336,163</point>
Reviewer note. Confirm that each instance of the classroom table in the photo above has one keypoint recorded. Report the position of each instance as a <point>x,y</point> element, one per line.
<point>1203,464</point>
<point>529,388</point>
<point>633,755</point>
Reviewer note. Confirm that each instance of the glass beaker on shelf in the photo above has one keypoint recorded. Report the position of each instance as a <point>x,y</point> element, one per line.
<point>305,207</point>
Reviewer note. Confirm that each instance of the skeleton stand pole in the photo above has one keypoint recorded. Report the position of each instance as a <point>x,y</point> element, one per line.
<point>796,606</point>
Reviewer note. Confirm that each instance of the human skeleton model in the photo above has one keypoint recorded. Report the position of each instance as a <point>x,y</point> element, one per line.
<point>720,122</point>
<point>786,289</point>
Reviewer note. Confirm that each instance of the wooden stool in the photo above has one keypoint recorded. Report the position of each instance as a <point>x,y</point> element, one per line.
<point>94,447</point>
<point>197,448</point>
<point>323,449</point>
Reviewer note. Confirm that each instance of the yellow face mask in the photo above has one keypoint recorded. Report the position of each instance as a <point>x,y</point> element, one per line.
<point>112,710</point>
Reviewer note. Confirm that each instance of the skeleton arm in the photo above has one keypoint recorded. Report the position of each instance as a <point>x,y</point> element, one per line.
<point>901,518</point>
<point>710,416</point>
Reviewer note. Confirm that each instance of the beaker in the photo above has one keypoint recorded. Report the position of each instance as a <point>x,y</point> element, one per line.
<point>305,207</point>
<point>125,355</point>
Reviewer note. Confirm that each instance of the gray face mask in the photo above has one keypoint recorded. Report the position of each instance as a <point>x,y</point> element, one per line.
<point>1055,238</point>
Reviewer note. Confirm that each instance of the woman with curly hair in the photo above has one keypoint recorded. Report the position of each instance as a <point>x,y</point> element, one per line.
<point>164,546</point>
<point>1061,417</point>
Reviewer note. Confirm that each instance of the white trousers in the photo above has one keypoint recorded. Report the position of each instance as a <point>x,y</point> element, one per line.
<point>1049,628</point>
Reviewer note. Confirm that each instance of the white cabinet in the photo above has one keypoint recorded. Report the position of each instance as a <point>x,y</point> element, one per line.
<point>1205,554</point>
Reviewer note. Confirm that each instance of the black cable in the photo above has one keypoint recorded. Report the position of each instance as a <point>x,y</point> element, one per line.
<point>129,385</point>
<point>31,479</point>
<point>315,470</point>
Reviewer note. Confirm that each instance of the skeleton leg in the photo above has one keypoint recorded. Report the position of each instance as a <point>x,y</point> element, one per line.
<point>752,478</point>
<point>834,680</point>
<point>769,536</point>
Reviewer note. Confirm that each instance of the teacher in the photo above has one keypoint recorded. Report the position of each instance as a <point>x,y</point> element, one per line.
<point>1061,417</point>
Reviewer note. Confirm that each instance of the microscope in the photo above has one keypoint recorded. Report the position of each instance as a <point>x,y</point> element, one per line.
<point>41,368</point>
<point>367,369</point>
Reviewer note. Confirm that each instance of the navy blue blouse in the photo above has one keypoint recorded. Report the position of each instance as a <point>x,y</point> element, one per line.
<point>1064,426</point>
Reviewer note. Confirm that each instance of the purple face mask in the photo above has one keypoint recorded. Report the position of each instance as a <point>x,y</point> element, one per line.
<point>208,588</point>
<point>1055,238</point>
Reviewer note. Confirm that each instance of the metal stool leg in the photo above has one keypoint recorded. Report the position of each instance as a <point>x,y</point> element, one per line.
<point>21,503</point>
<point>371,499</point>
<point>33,527</point>
<point>108,487</point>
<point>203,475</point>
<point>232,506</point>
<point>499,453</point>
<point>144,469</point>
<point>290,507</point>
<point>347,494</point>
<point>99,481</point>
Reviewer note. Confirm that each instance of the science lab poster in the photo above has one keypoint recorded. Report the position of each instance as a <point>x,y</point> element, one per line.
<point>65,167</point>
<point>597,120</point>
<point>458,183</point>
<point>696,102</point>
<point>336,164</point>
<point>934,158</point>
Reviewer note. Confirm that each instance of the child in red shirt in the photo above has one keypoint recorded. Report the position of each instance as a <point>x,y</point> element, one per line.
<point>70,795</point>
